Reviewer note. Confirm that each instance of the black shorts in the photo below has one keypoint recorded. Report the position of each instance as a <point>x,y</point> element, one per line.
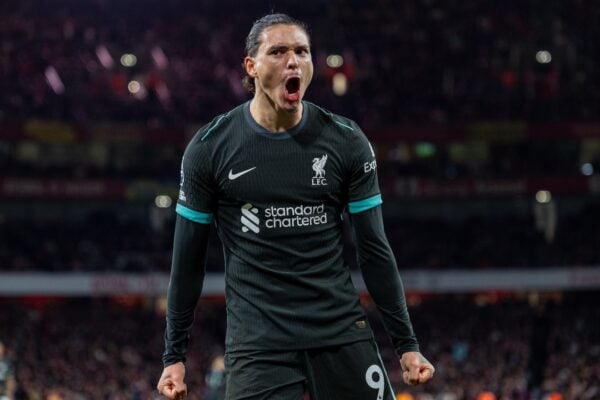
<point>352,371</point>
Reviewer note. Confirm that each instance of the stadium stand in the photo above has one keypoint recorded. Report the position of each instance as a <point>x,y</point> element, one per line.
<point>484,118</point>
<point>512,346</point>
<point>467,61</point>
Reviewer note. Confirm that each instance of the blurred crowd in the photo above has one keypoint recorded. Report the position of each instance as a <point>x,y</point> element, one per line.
<point>100,243</point>
<point>96,349</point>
<point>474,347</point>
<point>415,60</point>
<point>110,348</point>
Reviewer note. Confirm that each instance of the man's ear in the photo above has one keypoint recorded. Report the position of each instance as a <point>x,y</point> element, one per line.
<point>249,64</point>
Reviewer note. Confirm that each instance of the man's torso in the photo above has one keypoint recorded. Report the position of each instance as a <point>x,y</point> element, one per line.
<point>277,200</point>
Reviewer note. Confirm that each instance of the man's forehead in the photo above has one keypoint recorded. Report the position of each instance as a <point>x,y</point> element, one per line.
<point>277,35</point>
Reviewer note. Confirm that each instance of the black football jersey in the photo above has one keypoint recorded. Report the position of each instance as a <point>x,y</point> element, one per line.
<point>277,201</point>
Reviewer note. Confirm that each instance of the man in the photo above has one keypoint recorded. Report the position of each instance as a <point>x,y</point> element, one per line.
<point>276,174</point>
<point>8,383</point>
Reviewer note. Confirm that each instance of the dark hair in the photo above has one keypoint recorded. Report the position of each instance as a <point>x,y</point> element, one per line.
<point>253,38</point>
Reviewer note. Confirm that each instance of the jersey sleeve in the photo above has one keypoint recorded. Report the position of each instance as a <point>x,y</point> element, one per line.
<point>363,189</point>
<point>197,185</point>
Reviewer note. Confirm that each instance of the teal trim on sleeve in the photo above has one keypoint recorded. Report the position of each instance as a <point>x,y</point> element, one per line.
<point>365,204</point>
<point>193,215</point>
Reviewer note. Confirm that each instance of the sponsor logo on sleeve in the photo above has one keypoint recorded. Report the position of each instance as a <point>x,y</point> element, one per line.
<point>370,165</point>
<point>181,180</point>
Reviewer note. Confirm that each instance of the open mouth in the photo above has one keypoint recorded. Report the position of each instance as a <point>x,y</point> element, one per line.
<point>292,88</point>
<point>292,85</point>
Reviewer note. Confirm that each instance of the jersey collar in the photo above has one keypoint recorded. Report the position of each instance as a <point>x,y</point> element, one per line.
<point>259,130</point>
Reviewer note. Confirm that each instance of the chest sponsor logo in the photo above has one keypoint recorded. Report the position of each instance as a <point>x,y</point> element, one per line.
<point>250,221</point>
<point>319,168</point>
<point>272,217</point>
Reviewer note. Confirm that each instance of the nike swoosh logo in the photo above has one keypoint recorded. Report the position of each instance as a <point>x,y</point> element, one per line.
<point>233,176</point>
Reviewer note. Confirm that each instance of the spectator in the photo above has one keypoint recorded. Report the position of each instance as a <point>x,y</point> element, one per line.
<point>8,383</point>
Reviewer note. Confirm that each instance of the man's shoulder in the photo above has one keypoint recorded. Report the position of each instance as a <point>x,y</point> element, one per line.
<point>346,127</point>
<point>219,124</point>
<point>217,129</point>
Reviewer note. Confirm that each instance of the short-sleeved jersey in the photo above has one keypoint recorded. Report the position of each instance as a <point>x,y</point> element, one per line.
<point>277,200</point>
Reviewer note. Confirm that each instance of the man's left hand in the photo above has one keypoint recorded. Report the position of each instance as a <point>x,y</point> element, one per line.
<point>415,368</point>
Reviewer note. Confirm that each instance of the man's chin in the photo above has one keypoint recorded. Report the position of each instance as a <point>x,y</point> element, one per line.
<point>291,107</point>
<point>293,110</point>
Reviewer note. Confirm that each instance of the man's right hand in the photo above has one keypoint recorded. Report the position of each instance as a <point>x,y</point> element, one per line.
<point>171,384</point>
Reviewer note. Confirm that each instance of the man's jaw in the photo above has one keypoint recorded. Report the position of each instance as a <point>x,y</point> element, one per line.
<point>278,97</point>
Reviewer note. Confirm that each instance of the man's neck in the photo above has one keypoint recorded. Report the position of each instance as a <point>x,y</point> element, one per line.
<point>272,119</point>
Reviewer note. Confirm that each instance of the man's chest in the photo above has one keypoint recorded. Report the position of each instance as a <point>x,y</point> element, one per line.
<point>280,173</point>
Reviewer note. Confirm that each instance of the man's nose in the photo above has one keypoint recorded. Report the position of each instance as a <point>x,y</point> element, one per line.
<point>292,60</point>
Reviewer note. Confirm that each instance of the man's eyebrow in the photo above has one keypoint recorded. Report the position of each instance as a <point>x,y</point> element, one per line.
<point>288,46</point>
<point>277,47</point>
